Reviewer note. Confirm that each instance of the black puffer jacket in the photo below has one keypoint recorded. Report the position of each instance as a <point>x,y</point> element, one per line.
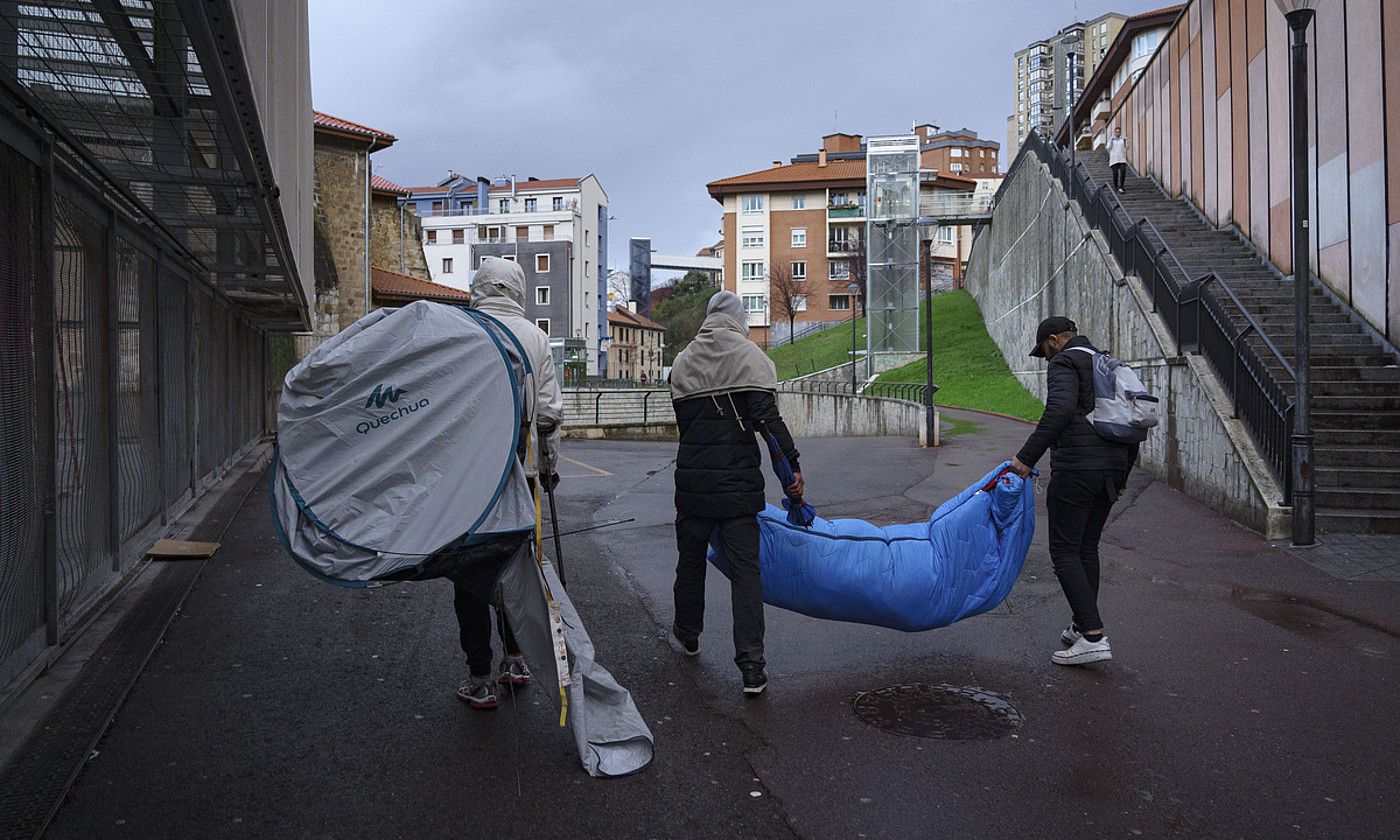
<point>719,467</point>
<point>1069,396</point>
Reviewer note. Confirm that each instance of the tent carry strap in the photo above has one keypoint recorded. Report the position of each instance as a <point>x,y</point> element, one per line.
<point>556,616</point>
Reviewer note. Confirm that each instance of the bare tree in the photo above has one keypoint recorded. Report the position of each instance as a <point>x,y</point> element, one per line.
<point>789,295</point>
<point>620,287</point>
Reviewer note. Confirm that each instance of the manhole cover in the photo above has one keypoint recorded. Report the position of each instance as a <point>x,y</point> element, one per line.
<point>947,712</point>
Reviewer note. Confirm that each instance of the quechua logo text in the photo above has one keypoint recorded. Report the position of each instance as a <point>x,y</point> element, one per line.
<point>381,396</point>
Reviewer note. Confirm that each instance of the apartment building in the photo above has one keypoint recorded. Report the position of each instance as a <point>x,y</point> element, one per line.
<point>1045,75</point>
<point>555,229</point>
<point>1125,59</point>
<point>804,222</point>
<point>959,152</point>
<point>636,347</point>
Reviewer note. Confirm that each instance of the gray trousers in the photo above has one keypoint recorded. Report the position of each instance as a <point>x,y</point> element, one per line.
<point>739,537</point>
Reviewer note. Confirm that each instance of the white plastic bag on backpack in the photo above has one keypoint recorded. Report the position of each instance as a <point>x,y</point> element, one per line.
<point>1124,410</point>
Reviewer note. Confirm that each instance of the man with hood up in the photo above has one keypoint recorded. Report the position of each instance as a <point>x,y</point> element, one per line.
<point>499,291</point>
<point>725,390</point>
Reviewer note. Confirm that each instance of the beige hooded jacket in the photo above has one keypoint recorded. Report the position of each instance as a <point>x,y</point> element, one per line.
<point>499,290</point>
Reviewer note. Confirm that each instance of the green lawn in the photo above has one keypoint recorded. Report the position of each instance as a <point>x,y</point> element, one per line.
<point>967,366</point>
<point>818,351</point>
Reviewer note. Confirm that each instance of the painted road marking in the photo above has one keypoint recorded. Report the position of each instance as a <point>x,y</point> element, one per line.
<point>593,472</point>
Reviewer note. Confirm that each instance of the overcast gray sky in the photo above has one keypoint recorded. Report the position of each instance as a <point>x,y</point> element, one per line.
<point>657,98</point>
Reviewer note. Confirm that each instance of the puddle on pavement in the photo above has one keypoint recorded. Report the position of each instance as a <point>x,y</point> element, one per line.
<point>943,712</point>
<point>1306,617</point>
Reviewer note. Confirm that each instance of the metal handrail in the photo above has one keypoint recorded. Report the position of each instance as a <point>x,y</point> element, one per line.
<point>1212,277</point>
<point>1267,409</point>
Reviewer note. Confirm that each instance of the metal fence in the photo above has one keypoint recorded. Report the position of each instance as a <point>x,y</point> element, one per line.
<point>602,407</point>
<point>1203,313</point>
<point>128,386</point>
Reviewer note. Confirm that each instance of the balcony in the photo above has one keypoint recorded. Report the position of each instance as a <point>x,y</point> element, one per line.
<point>839,247</point>
<point>568,207</point>
<point>852,212</point>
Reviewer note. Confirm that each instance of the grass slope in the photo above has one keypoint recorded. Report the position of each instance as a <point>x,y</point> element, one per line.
<point>967,366</point>
<point>818,351</point>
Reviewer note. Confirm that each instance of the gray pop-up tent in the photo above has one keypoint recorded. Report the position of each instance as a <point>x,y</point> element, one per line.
<point>398,459</point>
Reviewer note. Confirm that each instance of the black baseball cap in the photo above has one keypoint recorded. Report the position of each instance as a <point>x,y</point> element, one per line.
<point>1054,325</point>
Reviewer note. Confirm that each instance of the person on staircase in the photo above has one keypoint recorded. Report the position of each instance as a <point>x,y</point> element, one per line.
<point>1118,158</point>
<point>724,390</point>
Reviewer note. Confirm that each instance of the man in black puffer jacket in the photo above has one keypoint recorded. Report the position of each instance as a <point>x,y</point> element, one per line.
<point>1087,475</point>
<point>724,391</point>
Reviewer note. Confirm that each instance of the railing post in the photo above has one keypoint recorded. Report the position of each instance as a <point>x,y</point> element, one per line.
<point>598,409</point>
<point>646,399</point>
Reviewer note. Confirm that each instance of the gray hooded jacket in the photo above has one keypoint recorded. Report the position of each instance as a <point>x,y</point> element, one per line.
<point>499,290</point>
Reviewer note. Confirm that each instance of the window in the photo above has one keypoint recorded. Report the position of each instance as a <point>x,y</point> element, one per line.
<point>493,234</point>
<point>543,324</point>
<point>548,233</point>
<point>799,202</point>
<point>956,167</point>
<point>981,152</point>
<point>838,303</point>
<point>799,271</point>
<point>751,237</point>
<point>542,295</point>
<point>587,237</point>
<point>431,236</point>
<point>840,270</point>
<point>753,204</point>
<point>437,208</point>
<point>542,265</point>
<point>751,272</point>
<point>945,235</point>
<point>558,203</point>
<point>459,236</point>
<point>955,152</point>
<point>799,237</point>
<point>531,205</point>
<point>587,270</point>
<point>504,205</point>
<point>522,233</point>
<point>446,265</point>
<point>509,257</point>
<point>753,304</point>
<point>799,303</point>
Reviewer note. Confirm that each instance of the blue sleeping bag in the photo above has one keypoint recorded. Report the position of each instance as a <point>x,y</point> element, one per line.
<point>961,562</point>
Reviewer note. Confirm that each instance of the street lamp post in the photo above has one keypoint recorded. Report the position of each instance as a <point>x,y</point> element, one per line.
<point>1299,14</point>
<point>928,346</point>
<point>854,289</point>
<point>1070,41</point>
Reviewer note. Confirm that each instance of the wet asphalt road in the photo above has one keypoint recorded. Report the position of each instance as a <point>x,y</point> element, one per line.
<point>279,706</point>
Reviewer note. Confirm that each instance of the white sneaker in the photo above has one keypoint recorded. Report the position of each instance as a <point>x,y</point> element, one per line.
<point>1082,652</point>
<point>1070,636</point>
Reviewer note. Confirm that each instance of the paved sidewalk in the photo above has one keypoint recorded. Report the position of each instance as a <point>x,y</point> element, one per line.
<point>1252,694</point>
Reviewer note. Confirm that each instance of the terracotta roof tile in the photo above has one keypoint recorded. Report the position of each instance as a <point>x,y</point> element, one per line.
<point>379,183</point>
<point>401,287</point>
<point>794,173</point>
<point>323,120</point>
<point>624,317</point>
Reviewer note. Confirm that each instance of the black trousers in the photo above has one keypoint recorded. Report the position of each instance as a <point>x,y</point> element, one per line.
<point>474,629</point>
<point>739,537</point>
<point>1079,502</point>
<point>1120,175</point>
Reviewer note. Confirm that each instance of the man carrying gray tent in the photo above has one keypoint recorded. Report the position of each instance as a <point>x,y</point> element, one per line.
<point>725,390</point>
<point>499,291</point>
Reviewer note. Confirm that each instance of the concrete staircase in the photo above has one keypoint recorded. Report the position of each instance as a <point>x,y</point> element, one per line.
<point>1356,381</point>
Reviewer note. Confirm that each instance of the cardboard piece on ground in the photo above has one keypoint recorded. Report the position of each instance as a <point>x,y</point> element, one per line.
<point>182,549</point>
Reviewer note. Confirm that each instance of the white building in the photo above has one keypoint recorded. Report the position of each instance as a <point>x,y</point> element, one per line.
<point>557,231</point>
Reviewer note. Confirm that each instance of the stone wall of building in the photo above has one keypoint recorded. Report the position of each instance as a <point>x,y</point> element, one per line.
<point>1040,258</point>
<point>396,238</point>
<point>340,224</point>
